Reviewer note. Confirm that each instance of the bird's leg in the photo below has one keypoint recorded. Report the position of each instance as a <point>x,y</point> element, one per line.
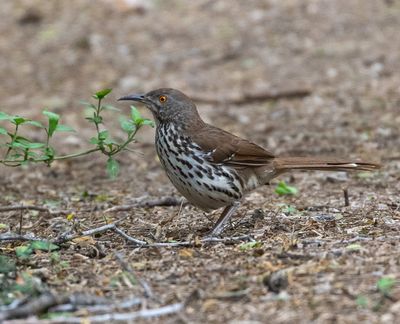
<point>225,216</point>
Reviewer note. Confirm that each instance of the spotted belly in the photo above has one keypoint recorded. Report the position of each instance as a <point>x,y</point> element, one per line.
<point>204,184</point>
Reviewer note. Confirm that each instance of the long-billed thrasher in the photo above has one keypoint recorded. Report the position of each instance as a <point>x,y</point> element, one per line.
<point>213,168</point>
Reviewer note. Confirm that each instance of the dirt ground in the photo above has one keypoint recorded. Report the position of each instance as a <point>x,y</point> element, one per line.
<point>333,258</point>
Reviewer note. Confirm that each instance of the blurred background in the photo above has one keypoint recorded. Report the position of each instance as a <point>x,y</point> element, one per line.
<point>55,53</point>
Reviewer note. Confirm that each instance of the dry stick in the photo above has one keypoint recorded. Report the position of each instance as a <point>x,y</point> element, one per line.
<point>245,98</point>
<point>36,306</point>
<point>346,197</point>
<point>98,308</point>
<point>72,302</point>
<point>124,317</point>
<point>137,242</point>
<point>18,237</point>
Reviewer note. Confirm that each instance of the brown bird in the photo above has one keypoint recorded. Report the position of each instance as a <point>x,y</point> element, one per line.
<point>213,168</point>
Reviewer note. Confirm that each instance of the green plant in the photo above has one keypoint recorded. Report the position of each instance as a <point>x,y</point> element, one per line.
<point>24,251</point>
<point>283,189</point>
<point>21,150</point>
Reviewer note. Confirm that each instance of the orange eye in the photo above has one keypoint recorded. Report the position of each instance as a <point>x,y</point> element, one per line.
<point>162,98</point>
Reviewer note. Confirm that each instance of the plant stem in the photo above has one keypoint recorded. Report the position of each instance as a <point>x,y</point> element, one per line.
<point>62,157</point>
<point>129,139</point>
<point>14,136</point>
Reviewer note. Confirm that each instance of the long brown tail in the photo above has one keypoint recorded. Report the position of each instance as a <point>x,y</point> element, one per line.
<point>282,164</point>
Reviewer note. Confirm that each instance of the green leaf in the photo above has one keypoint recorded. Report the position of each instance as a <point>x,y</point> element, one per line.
<point>101,94</point>
<point>44,246</point>
<point>4,116</point>
<point>3,131</point>
<point>362,301</point>
<point>35,123</point>
<point>127,125</point>
<point>136,116</point>
<point>53,121</point>
<point>18,120</point>
<point>22,142</point>
<point>148,122</point>
<point>385,285</point>
<point>32,155</point>
<point>64,128</point>
<point>109,107</point>
<point>6,264</point>
<point>94,140</point>
<point>250,245</point>
<point>288,209</point>
<point>23,251</point>
<point>95,119</point>
<point>283,189</point>
<point>112,167</point>
<point>103,135</point>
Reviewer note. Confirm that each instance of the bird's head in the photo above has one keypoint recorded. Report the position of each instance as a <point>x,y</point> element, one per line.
<point>167,105</point>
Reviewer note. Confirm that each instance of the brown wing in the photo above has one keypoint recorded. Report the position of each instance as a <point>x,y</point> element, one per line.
<point>223,147</point>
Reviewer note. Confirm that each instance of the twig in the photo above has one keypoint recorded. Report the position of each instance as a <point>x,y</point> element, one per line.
<point>18,237</point>
<point>36,306</point>
<point>346,197</point>
<point>245,98</point>
<point>163,201</point>
<point>124,317</point>
<point>69,303</point>
<point>98,308</point>
<point>113,227</point>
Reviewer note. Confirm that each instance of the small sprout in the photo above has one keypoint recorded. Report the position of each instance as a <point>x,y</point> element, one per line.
<point>17,120</point>
<point>53,121</point>
<point>288,209</point>
<point>70,217</point>
<point>250,245</point>
<point>101,94</point>
<point>21,151</point>
<point>362,301</point>
<point>283,189</point>
<point>385,285</point>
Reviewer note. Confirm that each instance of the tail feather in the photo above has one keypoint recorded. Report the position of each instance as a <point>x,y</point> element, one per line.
<point>322,164</point>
